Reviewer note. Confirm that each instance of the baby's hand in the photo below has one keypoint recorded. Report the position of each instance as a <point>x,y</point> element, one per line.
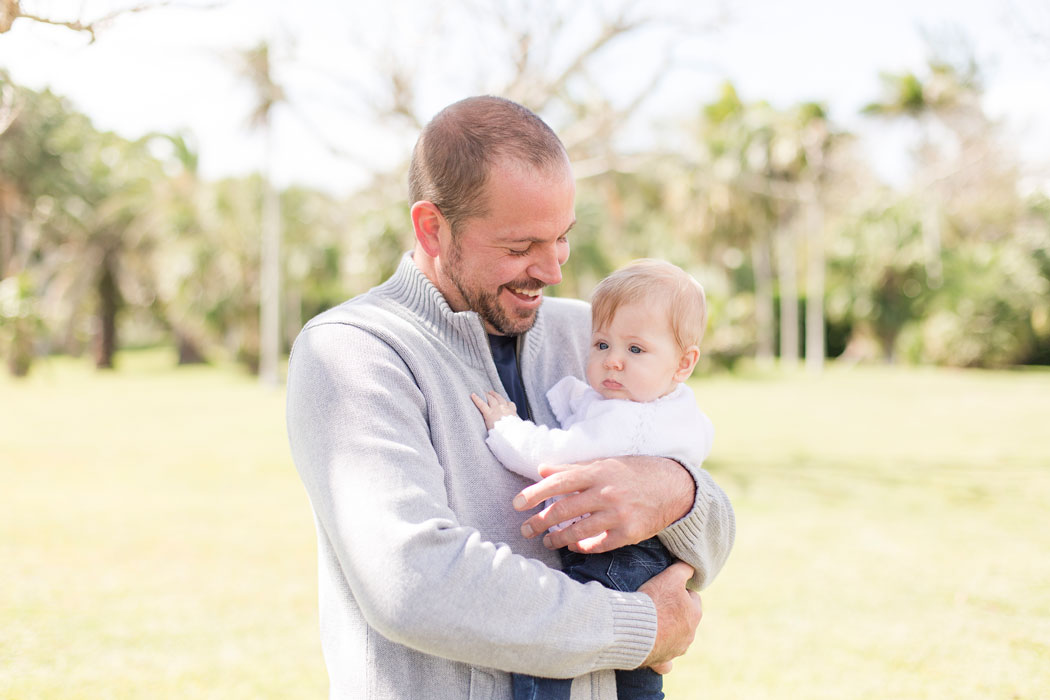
<point>497,407</point>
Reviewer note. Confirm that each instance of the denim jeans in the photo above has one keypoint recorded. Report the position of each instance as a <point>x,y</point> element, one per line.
<point>623,569</point>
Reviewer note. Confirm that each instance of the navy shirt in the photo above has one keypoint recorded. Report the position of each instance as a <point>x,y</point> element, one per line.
<point>505,354</point>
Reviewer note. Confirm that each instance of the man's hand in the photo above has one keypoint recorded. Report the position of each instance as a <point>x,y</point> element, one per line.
<point>497,407</point>
<point>629,499</point>
<point>678,612</point>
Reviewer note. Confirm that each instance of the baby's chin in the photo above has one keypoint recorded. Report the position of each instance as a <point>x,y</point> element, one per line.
<point>626,394</point>
<point>607,393</point>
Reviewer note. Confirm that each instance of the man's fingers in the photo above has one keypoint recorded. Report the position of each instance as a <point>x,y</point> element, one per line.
<point>669,582</point>
<point>663,668</point>
<point>549,469</point>
<point>678,612</point>
<point>578,505</point>
<point>562,481</point>
<point>679,573</point>
<point>603,542</point>
<point>591,526</point>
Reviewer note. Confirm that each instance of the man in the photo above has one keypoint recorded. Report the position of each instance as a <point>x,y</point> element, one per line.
<point>431,586</point>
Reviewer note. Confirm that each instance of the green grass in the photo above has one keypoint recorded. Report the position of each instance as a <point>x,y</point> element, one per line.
<point>892,538</point>
<point>155,539</point>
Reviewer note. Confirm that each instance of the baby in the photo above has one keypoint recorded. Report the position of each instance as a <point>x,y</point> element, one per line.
<point>647,320</point>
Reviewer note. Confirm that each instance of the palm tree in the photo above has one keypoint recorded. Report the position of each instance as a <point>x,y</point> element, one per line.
<point>949,95</point>
<point>257,67</point>
<point>74,204</point>
<point>734,147</point>
<point>817,141</point>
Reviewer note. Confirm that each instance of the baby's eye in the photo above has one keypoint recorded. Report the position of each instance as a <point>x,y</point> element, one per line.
<point>635,349</point>
<point>602,345</point>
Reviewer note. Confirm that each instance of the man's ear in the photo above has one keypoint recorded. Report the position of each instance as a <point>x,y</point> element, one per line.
<point>690,356</point>
<point>427,222</point>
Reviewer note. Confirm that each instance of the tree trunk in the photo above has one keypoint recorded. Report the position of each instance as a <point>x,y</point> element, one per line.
<point>188,349</point>
<point>270,280</point>
<point>20,350</point>
<point>293,316</point>
<point>108,307</point>
<point>815,289</point>
<point>787,272</point>
<point>7,243</point>
<point>764,317</point>
<point>931,239</point>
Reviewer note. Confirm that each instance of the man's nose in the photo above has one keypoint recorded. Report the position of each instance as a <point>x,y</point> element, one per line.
<point>546,266</point>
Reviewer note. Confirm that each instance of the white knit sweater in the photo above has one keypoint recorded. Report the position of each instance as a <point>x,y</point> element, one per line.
<point>427,588</point>
<point>593,427</point>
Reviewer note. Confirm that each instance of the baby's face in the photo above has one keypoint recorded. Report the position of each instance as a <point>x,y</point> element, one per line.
<point>635,356</point>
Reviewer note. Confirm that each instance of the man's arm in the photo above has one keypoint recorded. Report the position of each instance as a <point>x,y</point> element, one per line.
<point>631,499</point>
<point>360,438</point>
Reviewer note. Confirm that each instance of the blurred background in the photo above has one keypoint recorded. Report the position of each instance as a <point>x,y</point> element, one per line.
<point>864,184</point>
<point>864,191</point>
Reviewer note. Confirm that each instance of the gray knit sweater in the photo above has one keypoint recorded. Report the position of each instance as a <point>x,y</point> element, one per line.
<point>427,588</point>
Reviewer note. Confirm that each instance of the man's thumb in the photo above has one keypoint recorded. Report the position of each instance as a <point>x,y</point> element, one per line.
<point>680,572</point>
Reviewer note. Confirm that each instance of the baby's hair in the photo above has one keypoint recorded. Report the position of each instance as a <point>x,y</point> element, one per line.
<point>647,278</point>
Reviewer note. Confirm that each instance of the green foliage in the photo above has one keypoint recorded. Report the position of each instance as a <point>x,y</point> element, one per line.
<point>122,243</point>
<point>982,315</point>
<point>904,96</point>
<point>976,303</point>
<point>877,273</point>
<point>19,323</point>
<point>79,220</point>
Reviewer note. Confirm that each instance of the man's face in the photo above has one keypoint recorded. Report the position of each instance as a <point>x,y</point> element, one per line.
<point>498,264</point>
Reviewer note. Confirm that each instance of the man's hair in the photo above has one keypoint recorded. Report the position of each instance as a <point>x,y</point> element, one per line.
<point>454,153</point>
<point>648,279</point>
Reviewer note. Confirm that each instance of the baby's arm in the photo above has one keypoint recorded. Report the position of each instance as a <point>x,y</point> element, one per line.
<point>510,453</point>
<point>497,407</point>
<point>522,446</point>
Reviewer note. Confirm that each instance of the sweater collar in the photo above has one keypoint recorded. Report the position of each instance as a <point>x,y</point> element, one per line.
<point>464,331</point>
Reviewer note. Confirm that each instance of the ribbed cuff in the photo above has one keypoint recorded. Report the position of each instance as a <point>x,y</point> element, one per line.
<point>634,631</point>
<point>688,532</point>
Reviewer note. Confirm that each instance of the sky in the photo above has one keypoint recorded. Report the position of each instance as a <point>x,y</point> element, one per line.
<point>173,68</point>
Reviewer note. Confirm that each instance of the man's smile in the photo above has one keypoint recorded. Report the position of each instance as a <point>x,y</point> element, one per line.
<point>526,296</point>
<point>528,293</point>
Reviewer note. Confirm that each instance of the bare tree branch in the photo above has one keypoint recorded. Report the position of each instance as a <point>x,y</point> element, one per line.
<point>10,10</point>
<point>604,122</point>
<point>610,31</point>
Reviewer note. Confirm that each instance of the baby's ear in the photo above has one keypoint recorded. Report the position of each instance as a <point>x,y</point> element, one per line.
<point>686,363</point>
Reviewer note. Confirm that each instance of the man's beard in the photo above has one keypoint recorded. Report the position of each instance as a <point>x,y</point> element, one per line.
<point>486,304</point>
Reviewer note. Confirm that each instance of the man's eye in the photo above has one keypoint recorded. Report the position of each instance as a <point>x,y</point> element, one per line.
<point>635,349</point>
<point>518,252</point>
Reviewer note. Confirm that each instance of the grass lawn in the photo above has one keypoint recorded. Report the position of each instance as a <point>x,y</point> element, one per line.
<point>892,537</point>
